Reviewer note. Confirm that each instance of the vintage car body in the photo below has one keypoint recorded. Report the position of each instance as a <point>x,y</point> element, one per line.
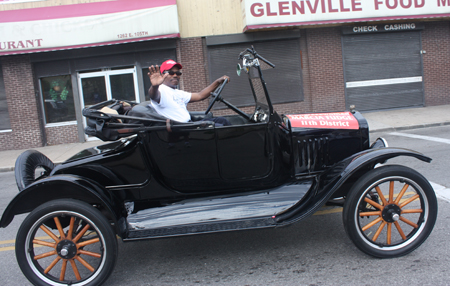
<point>159,178</point>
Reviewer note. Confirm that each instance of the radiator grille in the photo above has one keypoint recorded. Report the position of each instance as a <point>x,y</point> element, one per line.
<point>313,154</point>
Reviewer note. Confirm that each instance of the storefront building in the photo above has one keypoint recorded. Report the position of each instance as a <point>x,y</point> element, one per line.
<point>58,56</point>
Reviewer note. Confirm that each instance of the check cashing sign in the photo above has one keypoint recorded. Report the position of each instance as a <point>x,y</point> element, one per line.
<point>272,13</point>
<point>86,25</point>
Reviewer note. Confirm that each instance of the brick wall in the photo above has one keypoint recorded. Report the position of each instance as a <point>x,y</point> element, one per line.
<point>22,106</point>
<point>191,55</point>
<point>62,134</point>
<point>436,63</point>
<point>325,69</point>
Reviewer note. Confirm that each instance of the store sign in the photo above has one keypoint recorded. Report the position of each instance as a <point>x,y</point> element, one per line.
<point>382,28</point>
<point>86,25</point>
<point>336,120</point>
<point>272,13</point>
<point>17,1</point>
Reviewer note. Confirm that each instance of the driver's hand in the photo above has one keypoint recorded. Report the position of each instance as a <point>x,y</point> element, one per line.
<point>221,79</point>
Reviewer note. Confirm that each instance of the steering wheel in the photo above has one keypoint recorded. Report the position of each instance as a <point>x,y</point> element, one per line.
<point>216,94</point>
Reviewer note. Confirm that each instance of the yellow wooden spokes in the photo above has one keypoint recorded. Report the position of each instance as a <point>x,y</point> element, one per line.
<point>402,192</point>
<point>82,232</point>
<point>85,264</point>
<point>391,198</point>
<point>87,242</point>
<point>44,243</point>
<point>75,269</point>
<point>380,228</point>
<point>63,270</point>
<point>60,229</point>
<point>49,233</point>
<point>413,198</point>
<point>44,255</point>
<point>67,236</point>
<point>71,226</point>
<point>50,267</point>
<point>381,196</point>
<point>391,192</point>
<point>369,201</point>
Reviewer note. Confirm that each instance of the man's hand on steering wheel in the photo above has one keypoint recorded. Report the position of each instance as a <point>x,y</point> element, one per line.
<point>222,81</point>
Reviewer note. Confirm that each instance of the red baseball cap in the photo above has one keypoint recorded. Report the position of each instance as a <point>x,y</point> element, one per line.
<point>167,65</point>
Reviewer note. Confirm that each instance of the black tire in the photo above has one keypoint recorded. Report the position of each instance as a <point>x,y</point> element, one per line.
<point>390,211</point>
<point>88,239</point>
<point>26,165</point>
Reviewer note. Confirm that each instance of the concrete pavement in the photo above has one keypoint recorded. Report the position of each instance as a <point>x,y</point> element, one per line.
<point>390,120</point>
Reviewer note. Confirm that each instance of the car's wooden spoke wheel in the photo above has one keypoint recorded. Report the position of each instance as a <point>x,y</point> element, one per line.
<point>66,245</point>
<point>390,211</point>
<point>385,206</point>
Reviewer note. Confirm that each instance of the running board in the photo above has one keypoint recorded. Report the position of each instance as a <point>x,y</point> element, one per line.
<point>201,228</point>
<point>250,211</point>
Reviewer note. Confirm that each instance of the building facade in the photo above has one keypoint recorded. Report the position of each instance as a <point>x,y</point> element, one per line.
<point>58,56</point>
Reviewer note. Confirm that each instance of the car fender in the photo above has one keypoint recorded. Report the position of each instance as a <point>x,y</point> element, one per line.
<point>60,187</point>
<point>334,178</point>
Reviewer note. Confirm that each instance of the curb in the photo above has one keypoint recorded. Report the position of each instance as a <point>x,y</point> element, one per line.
<point>6,169</point>
<point>402,128</point>
<point>10,169</point>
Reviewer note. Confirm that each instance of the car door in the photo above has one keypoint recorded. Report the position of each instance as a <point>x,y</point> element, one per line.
<point>208,159</point>
<point>244,152</point>
<point>185,159</point>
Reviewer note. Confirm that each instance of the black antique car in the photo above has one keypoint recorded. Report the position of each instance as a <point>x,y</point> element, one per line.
<point>158,178</point>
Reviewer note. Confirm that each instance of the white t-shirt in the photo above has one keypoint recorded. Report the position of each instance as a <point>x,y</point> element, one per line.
<point>173,103</point>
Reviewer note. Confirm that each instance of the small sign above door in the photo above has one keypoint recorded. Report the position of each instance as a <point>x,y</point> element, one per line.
<point>382,28</point>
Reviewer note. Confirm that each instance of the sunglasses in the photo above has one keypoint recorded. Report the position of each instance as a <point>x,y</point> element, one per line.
<point>178,73</point>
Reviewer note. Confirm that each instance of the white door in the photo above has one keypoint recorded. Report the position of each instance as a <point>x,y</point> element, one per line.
<point>96,87</point>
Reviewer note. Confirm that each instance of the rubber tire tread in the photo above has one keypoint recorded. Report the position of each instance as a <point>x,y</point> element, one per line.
<point>69,205</point>
<point>361,186</point>
<point>26,165</point>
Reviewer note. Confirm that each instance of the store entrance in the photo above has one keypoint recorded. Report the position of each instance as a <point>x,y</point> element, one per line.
<point>96,87</point>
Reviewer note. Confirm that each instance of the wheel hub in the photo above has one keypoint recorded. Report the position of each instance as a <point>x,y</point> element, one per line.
<point>66,249</point>
<point>391,213</point>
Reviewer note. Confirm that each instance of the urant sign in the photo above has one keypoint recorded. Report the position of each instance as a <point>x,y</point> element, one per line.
<point>71,26</point>
<point>269,13</point>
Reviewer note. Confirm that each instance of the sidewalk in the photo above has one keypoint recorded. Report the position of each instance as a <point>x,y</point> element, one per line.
<point>391,120</point>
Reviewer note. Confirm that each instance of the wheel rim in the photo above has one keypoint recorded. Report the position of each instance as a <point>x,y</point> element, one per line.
<point>391,213</point>
<point>72,252</point>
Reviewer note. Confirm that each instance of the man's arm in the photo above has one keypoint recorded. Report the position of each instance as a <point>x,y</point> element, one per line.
<point>207,90</point>
<point>156,79</point>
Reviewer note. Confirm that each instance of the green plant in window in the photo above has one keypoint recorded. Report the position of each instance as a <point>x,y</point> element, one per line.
<point>55,91</point>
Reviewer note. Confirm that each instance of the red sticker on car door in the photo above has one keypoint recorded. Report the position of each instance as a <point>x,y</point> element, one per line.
<point>335,120</point>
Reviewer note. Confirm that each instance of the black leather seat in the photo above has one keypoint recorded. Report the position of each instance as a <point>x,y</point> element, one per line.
<point>144,110</point>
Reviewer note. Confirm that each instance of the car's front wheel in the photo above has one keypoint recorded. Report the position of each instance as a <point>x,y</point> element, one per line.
<point>66,242</point>
<point>390,211</point>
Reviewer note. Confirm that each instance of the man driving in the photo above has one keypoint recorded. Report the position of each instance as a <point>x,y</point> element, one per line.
<point>171,102</point>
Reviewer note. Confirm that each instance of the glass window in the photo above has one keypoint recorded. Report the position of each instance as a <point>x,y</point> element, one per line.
<point>284,82</point>
<point>122,86</point>
<point>5,123</point>
<point>58,99</point>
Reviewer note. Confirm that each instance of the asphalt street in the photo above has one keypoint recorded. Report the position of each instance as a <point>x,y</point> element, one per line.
<point>315,251</point>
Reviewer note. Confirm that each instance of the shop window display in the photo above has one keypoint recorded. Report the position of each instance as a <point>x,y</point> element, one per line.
<point>58,99</point>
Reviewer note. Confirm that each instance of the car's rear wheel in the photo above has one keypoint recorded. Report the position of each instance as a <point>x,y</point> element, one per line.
<point>390,211</point>
<point>82,252</point>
